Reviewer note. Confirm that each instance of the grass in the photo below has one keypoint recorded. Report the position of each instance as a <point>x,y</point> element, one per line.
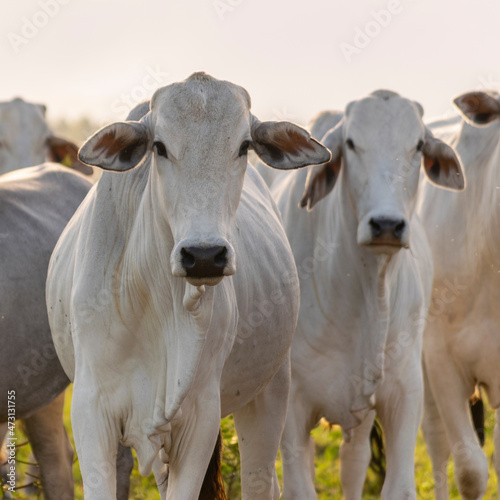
<point>327,439</point>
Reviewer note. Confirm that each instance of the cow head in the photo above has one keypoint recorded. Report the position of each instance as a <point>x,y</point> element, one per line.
<point>479,107</point>
<point>198,133</point>
<point>380,145</point>
<point>26,140</point>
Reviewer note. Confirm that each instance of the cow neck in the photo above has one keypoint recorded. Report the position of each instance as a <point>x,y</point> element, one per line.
<point>479,204</point>
<point>464,238</point>
<point>154,305</point>
<point>147,244</point>
<point>367,275</point>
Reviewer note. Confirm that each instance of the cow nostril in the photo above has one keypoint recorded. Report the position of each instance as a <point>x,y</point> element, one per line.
<point>376,228</point>
<point>204,261</point>
<point>387,229</point>
<point>399,228</point>
<point>220,259</point>
<point>188,259</point>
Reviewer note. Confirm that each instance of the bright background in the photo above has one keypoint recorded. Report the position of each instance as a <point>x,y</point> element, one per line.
<point>93,57</point>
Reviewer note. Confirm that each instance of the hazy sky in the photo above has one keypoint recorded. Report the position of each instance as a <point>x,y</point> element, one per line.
<point>295,57</point>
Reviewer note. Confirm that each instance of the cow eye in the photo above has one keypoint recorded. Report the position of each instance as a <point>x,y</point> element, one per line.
<point>160,148</point>
<point>244,148</point>
<point>349,144</point>
<point>420,145</point>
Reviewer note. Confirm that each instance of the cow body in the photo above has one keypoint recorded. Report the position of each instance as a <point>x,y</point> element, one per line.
<point>157,355</point>
<point>462,340</point>
<point>364,297</point>
<point>36,203</point>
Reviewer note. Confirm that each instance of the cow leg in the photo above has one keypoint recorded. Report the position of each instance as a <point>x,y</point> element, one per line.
<point>193,442</point>
<point>471,466</point>
<point>124,466</point>
<point>497,446</point>
<point>436,441</point>
<point>160,470</point>
<point>399,407</point>
<point>259,426</point>
<point>355,457</point>
<point>96,441</point>
<point>3,449</point>
<point>52,450</point>
<point>297,449</point>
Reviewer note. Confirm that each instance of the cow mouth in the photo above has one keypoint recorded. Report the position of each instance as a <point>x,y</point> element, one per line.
<point>208,281</point>
<point>389,247</point>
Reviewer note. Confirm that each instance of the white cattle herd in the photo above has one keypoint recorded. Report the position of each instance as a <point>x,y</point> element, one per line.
<point>360,279</point>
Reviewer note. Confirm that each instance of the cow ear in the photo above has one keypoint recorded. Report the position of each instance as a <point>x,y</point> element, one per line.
<point>479,108</point>
<point>118,147</point>
<point>65,152</point>
<point>322,178</point>
<point>441,164</point>
<point>285,146</point>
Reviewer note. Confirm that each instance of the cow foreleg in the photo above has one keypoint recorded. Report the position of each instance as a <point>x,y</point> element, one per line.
<point>52,450</point>
<point>399,407</point>
<point>193,444</point>
<point>259,426</point>
<point>96,441</point>
<point>355,457</point>
<point>471,466</point>
<point>124,466</point>
<point>160,470</point>
<point>436,441</point>
<point>497,446</point>
<point>3,450</point>
<point>297,450</point>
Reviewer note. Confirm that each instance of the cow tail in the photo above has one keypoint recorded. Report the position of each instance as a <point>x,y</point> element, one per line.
<point>377,461</point>
<point>477,413</point>
<point>213,484</point>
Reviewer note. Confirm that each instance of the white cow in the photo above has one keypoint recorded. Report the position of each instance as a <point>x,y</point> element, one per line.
<point>26,140</point>
<point>462,337</point>
<point>173,295</point>
<point>35,205</point>
<point>365,272</point>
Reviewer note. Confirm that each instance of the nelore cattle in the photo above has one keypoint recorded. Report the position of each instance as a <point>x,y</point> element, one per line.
<point>173,295</point>
<point>365,270</point>
<point>462,337</point>
<point>35,205</point>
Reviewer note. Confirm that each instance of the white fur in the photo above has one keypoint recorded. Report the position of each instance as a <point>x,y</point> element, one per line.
<point>155,361</point>
<point>462,339</point>
<point>23,135</point>
<point>358,341</point>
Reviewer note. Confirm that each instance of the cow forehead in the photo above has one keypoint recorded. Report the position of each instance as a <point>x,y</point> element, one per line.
<point>18,115</point>
<point>201,102</point>
<point>385,117</point>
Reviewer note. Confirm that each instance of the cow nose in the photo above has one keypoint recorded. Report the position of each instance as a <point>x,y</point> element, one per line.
<point>387,229</point>
<point>204,262</point>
